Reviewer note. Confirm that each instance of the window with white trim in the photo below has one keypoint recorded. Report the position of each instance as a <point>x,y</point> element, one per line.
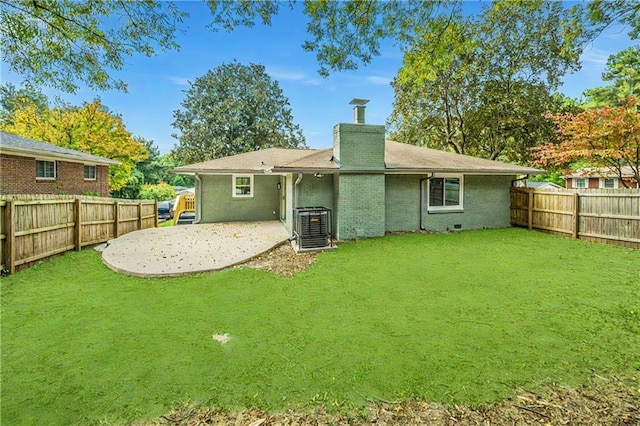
<point>45,169</point>
<point>242,186</point>
<point>608,183</point>
<point>579,183</point>
<point>445,193</point>
<point>89,172</point>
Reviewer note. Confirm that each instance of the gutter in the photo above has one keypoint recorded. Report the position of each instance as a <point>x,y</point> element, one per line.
<point>422,181</point>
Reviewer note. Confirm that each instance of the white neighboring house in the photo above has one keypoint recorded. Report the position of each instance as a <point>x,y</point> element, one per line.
<point>600,178</point>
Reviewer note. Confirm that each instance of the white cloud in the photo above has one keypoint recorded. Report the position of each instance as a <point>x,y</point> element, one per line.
<point>378,79</point>
<point>179,81</point>
<point>596,56</point>
<point>286,75</point>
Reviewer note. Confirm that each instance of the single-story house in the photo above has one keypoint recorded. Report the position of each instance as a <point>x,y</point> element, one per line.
<point>28,166</point>
<point>601,178</point>
<point>371,185</point>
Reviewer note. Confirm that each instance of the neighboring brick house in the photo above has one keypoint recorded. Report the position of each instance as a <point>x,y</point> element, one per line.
<point>601,178</point>
<point>32,167</point>
<point>371,185</point>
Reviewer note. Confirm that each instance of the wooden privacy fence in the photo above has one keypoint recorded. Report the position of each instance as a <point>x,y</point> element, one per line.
<point>34,227</point>
<point>606,216</point>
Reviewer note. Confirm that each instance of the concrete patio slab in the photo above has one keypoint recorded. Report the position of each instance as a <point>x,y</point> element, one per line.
<point>178,250</point>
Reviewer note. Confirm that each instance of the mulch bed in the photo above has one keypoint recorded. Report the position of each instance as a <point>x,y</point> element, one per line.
<point>612,401</point>
<point>282,260</point>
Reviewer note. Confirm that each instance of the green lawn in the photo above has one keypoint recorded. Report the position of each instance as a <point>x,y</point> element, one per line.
<point>462,317</point>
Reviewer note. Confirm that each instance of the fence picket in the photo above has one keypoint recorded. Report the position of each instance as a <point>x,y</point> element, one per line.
<point>611,217</point>
<point>38,226</point>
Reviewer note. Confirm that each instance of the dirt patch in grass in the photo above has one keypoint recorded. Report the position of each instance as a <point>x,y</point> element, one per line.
<point>612,401</point>
<point>282,260</point>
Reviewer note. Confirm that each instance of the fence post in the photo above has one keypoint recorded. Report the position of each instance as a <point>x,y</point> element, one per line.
<point>139,215</point>
<point>77,230</point>
<point>530,211</point>
<point>155,211</point>
<point>116,219</point>
<point>576,216</point>
<point>9,220</point>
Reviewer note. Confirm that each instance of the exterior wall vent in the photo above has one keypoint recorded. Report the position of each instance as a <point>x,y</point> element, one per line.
<point>358,109</point>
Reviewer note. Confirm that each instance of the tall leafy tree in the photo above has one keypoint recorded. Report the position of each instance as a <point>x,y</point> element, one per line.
<point>435,88</point>
<point>606,136</point>
<point>57,43</point>
<point>13,98</point>
<point>61,43</point>
<point>623,71</point>
<point>482,85</point>
<point>233,108</point>
<point>65,42</point>
<point>602,13</point>
<point>90,128</point>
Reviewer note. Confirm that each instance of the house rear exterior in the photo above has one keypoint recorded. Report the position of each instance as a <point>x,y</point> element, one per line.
<point>371,185</point>
<point>602,178</point>
<point>33,167</point>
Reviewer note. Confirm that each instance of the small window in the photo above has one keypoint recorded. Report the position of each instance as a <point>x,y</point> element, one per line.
<point>242,186</point>
<point>89,172</point>
<point>609,183</point>
<point>579,183</point>
<point>445,193</point>
<point>45,169</point>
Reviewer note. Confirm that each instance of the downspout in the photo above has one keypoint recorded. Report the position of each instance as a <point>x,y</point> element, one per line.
<point>295,203</point>
<point>295,190</point>
<point>198,199</point>
<point>519,180</point>
<point>422,200</point>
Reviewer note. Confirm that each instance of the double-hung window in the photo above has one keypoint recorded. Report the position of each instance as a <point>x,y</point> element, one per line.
<point>89,172</point>
<point>445,193</point>
<point>609,183</point>
<point>45,169</point>
<point>242,186</point>
<point>579,183</point>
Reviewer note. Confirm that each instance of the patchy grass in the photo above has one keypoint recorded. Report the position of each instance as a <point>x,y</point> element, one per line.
<point>451,318</point>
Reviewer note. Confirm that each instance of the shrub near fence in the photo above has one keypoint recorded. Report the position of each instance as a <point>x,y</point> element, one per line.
<point>34,227</point>
<point>599,215</point>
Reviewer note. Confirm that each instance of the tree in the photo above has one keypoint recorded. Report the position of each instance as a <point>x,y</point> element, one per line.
<point>606,136</point>
<point>66,42</point>
<point>602,13</point>
<point>434,90</point>
<point>60,42</point>
<point>90,128</point>
<point>13,98</point>
<point>481,86</point>
<point>623,70</point>
<point>160,191</point>
<point>232,109</point>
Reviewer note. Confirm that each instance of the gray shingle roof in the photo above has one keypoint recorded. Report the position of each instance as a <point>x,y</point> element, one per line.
<point>604,172</point>
<point>17,145</point>
<point>399,158</point>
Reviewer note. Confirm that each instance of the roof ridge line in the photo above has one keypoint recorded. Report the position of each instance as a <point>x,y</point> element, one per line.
<point>314,151</point>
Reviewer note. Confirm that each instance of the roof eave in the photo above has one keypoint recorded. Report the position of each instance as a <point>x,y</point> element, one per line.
<point>25,152</point>
<point>505,172</point>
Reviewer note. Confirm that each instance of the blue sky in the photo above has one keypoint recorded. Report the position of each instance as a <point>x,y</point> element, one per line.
<point>156,84</point>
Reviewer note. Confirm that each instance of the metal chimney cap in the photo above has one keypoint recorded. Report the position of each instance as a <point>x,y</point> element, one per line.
<point>356,101</point>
